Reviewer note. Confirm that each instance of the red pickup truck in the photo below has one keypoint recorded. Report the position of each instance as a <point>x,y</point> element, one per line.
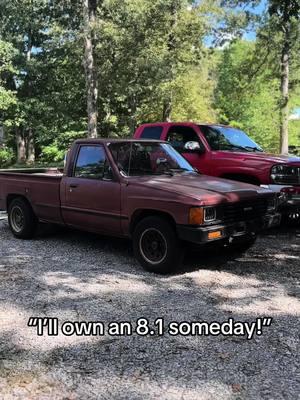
<point>140,189</point>
<point>227,152</point>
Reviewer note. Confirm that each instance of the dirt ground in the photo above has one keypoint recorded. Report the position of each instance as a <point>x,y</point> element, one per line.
<point>80,277</point>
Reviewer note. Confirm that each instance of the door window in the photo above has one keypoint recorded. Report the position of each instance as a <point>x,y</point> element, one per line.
<point>178,136</point>
<point>91,163</point>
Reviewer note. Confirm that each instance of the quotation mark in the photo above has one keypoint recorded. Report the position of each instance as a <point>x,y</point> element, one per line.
<point>260,322</point>
<point>40,323</point>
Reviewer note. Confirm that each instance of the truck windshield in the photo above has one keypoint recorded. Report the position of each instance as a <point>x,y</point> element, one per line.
<point>223,138</point>
<point>142,158</point>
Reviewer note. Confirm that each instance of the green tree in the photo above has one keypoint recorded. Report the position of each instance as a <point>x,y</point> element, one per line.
<point>49,89</point>
<point>7,70</point>
<point>278,31</point>
<point>286,18</point>
<point>248,98</point>
<point>89,25</point>
<point>143,57</point>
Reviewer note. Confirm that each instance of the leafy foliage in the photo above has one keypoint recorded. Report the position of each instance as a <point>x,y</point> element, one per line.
<point>246,100</point>
<point>183,54</point>
<point>6,157</point>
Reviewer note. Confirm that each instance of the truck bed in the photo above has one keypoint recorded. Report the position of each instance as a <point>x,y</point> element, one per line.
<point>39,185</point>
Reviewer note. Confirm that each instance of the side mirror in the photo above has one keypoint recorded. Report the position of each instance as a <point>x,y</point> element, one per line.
<point>108,173</point>
<point>194,147</point>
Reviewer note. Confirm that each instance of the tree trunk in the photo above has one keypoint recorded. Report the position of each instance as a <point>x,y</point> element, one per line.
<point>30,147</point>
<point>284,101</point>
<point>89,18</point>
<point>29,140</point>
<point>21,148</point>
<point>167,110</point>
<point>168,102</point>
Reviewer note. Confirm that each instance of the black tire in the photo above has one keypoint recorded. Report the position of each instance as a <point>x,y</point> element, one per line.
<point>21,218</point>
<point>156,245</point>
<point>242,246</point>
<point>292,218</point>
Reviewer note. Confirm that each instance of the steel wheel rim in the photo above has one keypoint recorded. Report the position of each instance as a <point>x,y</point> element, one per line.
<point>17,219</point>
<point>153,246</point>
<point>294,216</point>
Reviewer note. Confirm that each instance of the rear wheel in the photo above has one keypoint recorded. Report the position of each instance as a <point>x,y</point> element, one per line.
<point>156,245</point>
<point>21,219</point>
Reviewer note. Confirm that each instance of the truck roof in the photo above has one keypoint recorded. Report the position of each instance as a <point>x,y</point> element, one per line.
<point>185,123</point>
<point>108,140</point>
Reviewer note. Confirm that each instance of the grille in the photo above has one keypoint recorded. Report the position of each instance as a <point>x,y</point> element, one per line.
<point>289,176</point>
<point>245,210</point>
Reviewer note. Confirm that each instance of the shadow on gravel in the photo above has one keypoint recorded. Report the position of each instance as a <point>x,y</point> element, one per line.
<point>79,276</point>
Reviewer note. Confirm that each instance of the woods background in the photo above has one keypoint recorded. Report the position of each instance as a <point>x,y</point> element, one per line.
<point>73,68</point>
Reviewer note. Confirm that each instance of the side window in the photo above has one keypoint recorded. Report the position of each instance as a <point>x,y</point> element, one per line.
<point>179,135</point>
<point>152,132</point>
<point>91,163</point>
<point>216,139</point>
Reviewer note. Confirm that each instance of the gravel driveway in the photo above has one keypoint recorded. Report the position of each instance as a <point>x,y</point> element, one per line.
<point>79,277</point>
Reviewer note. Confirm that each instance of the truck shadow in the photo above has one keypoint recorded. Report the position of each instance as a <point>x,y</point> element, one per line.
<point>267,256</point>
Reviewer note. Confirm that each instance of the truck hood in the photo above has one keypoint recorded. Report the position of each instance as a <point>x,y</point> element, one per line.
<point>263,157</point>
<point>207,189</point>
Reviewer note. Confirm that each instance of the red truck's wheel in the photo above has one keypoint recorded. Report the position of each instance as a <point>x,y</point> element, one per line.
<point>21,219</point>
<point>156,245</point>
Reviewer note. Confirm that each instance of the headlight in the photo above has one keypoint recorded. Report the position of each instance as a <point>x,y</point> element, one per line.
<point>200,215</point>
<point>210,214</point>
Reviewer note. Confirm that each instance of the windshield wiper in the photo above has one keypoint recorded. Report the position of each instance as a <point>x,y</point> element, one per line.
<point>254,148</point>
<point>172,171</point>
<point>179,170</point>
<point>235,146</point>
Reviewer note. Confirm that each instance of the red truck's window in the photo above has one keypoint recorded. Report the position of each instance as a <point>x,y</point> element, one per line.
<point>227,138</point>
<point>178,136</point>
<point>152,132</point>
<point>91,162</point>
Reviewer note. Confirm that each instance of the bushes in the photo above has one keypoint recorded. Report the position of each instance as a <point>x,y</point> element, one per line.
<point>55,152</point>
<point>6,157</point>
<point>52,154</point>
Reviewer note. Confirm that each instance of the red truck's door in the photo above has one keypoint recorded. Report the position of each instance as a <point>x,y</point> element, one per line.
<point>178,135</point>
<point>91,196</point>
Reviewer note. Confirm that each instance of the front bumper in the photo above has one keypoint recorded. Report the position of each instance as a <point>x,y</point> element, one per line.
<point>288,197</point>
<point>243,229</point>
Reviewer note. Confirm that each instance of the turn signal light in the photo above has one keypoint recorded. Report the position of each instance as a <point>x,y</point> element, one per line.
<point>196,216</point>
<point>214,235</point>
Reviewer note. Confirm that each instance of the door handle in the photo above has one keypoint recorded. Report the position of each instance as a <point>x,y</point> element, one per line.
<point>72,187</point>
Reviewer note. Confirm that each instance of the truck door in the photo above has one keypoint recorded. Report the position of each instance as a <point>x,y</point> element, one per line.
<point>91,195</point>
<point>178,135</point>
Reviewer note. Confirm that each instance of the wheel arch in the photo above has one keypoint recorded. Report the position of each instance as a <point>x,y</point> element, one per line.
<point>12,196</point>
<point>140,214</point>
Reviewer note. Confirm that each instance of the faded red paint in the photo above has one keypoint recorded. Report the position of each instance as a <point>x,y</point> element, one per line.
<point>104,206</point>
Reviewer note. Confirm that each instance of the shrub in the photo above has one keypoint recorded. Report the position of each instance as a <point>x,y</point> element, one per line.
<point>52,154</point>
<point>6,157</point>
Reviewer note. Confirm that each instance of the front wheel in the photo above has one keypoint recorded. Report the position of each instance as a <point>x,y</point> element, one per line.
<point>156,245</point>
<point>21,219</point>
<point>292,218</point>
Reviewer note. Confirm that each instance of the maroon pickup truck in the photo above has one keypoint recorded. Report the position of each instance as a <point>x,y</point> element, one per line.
<point>140,189</point>
<point>227,152</point>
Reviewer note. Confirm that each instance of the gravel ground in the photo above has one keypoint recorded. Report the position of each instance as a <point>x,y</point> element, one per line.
<point>76,276</point>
